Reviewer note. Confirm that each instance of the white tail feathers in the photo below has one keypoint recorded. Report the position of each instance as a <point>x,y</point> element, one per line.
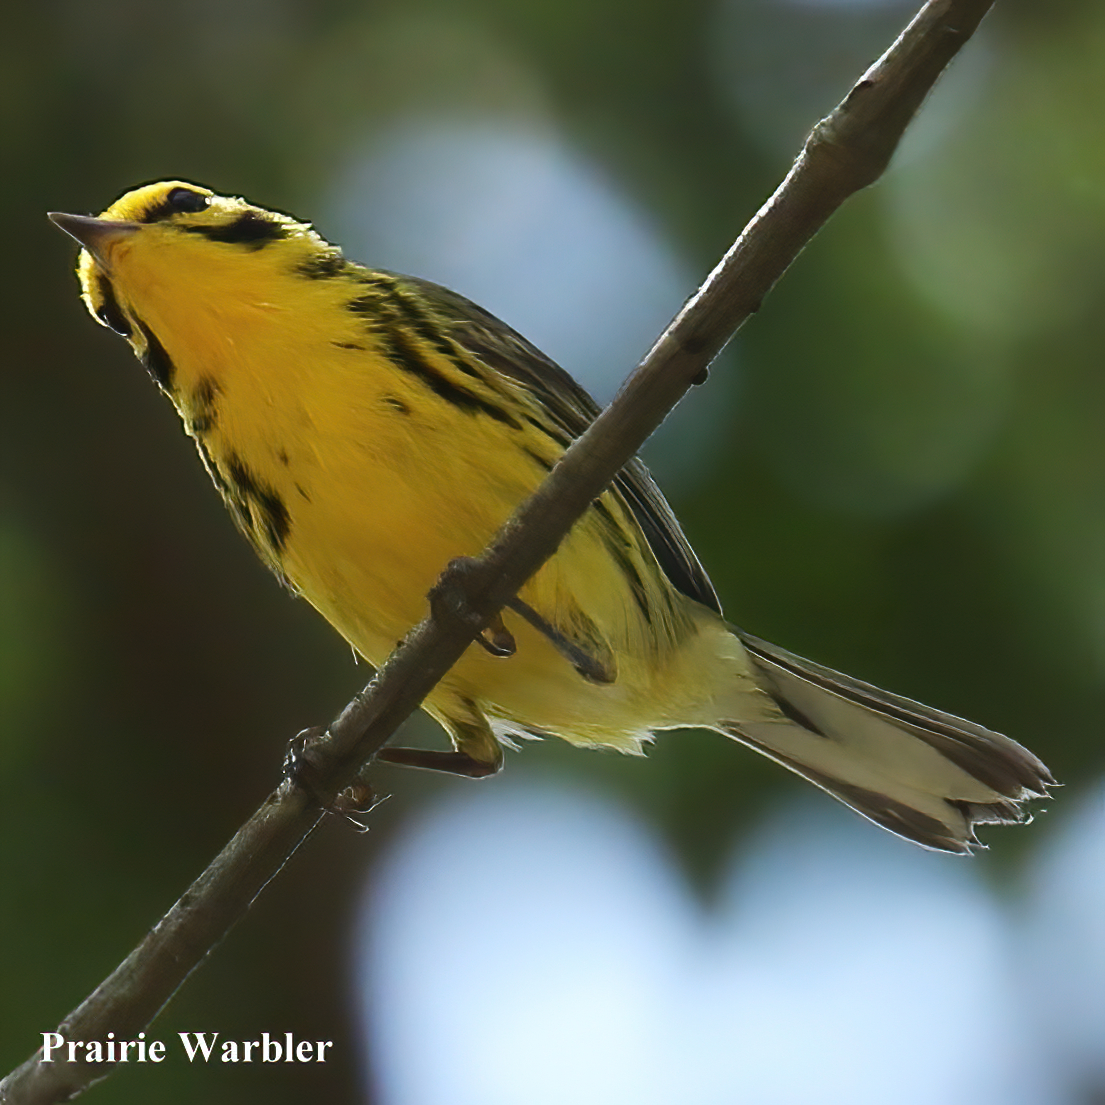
<point>923,774</point>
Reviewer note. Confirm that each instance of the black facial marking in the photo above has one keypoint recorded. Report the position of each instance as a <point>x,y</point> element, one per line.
<point>251,229</point>
<point>156,361</point>
<point>258,504</point>
<point>109,312</point>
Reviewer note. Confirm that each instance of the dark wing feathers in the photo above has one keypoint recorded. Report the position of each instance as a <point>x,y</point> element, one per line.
<point>572,410</point>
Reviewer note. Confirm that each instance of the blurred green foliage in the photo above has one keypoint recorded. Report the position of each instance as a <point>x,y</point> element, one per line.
<point>911,486</point>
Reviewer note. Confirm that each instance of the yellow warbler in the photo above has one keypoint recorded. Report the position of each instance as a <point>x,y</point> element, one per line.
<point>366,428</point>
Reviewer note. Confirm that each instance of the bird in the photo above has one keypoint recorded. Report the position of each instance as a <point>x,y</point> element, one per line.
<point>366,428</point>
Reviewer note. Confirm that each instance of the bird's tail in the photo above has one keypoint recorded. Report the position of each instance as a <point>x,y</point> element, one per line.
<point>923,774</point>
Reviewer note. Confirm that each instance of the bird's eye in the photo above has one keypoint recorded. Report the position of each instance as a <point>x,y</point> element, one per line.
<point>185,200</point>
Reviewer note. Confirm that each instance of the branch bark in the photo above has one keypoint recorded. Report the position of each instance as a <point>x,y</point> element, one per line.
<point>845,152</point>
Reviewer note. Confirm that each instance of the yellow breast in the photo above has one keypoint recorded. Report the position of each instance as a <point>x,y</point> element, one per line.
<point>360,453</point>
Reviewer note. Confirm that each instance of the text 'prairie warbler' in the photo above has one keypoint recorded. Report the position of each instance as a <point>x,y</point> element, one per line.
<point>365,429</point>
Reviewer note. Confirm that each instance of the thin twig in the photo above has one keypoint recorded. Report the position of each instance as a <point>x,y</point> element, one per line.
<point>845,152</point>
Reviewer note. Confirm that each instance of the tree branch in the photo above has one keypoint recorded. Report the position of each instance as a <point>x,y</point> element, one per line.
<point>845,152</point>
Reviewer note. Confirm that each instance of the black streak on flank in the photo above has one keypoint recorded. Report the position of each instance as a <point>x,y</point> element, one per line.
<point>258,503</point>
<point>251,229</point>
<point>395,404</point>
<point>629,570</point>
<point>347,345</point>
<point>410,309</point>
<point>156,361</point>
<point>618,547</point>
<point>389,303</point>
<point>549,432</point>
<point>537,459</point>
<point>205,412</point>
<point>405,355</point>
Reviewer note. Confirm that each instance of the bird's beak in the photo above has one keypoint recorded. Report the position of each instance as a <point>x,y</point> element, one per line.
<point>96,235</point>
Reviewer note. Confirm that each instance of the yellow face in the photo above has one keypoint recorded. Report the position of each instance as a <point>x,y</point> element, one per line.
<point>173,246</point>
<point>141,207</point>
<point>361,436</point>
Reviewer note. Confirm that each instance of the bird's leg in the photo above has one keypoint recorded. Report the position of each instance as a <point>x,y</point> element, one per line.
<point>433,759</point>
<point>497,639</point>
<point>587,665</point>
<point>476,753</point>
<point>449,597</point>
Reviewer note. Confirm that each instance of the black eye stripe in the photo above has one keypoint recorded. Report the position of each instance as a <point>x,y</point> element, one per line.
<point>252,229</point>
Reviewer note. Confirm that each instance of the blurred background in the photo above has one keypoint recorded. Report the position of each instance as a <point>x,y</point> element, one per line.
<point>897,469</point>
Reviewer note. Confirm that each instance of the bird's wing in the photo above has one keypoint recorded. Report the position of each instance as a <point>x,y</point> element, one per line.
<point>572,410</point>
